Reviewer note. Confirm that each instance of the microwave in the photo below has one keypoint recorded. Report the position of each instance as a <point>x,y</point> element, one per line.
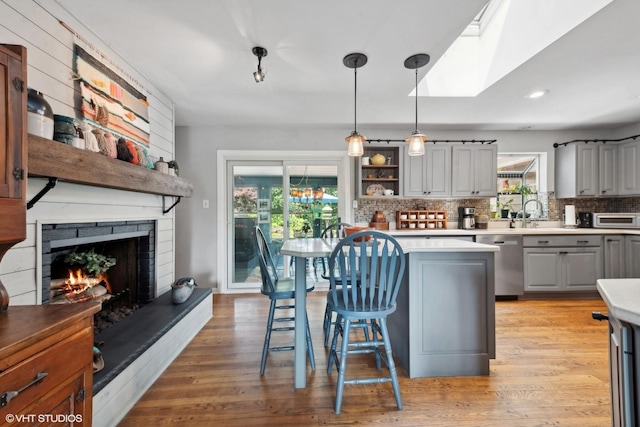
<point>616,220</point>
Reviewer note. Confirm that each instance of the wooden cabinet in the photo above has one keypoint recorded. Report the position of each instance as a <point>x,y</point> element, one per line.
<point>562,263</point>
<point>428,175</point>
<point>13,150</point>
<point>614,260</point>
<point>373,179</point>
<point>46,364</point>
<point>421,220</point>
<point>474,170</point>
<point>629,168</point>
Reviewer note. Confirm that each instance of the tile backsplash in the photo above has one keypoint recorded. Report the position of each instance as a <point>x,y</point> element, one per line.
<point>553,207</point>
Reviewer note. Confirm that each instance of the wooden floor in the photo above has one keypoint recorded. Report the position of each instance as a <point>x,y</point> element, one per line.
<point>551,370</point>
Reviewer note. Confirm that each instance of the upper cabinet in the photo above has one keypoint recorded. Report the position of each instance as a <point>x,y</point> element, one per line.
<point>629,168</point>
<point>474,170</point>
<point>13,145</point>
<point>379,170</point>
<point>597,169</point>
<point>576,170</point>
<point>428,175</point>
<point>608,170</point>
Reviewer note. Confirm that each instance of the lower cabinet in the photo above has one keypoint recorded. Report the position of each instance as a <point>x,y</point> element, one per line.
<point>632,255</point>
<point>614,259</point>
<point>562,268</point>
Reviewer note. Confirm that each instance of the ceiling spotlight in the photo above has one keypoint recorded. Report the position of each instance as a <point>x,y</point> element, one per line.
<point>355,140</point>
<point>416,140</point>
<point>260,52</point>
<point>537,94</point>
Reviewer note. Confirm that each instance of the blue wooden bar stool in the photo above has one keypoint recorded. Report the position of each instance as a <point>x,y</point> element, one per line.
<point>377,261</point>
<point>277,289</point>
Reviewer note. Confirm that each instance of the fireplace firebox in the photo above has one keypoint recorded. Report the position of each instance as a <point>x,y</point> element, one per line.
<point>131,281</point>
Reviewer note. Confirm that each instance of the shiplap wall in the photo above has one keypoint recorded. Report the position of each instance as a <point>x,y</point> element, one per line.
<point>35,24</point>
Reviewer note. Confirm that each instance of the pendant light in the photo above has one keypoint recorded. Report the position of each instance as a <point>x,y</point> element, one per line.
<point>259,75</point>
<point>416,140</point>
<point>355,140</point>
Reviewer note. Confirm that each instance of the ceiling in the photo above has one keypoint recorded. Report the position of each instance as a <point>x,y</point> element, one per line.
<point>198,53</point>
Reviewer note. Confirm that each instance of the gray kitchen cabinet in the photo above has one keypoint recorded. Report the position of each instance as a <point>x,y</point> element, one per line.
<point>576,170</point>
<point>608,170</point>
<point>474,170</point>
<point>445,321</point>
<point>562,263</point>
<point>428,175</point>
<point>614,261</point>
<point>629,168</point>
<point>632,256</point>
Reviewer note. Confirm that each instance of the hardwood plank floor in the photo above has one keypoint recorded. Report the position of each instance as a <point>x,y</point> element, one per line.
<point>551,369</point>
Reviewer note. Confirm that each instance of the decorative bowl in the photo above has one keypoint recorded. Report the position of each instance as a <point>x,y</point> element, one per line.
<point>352,230</point>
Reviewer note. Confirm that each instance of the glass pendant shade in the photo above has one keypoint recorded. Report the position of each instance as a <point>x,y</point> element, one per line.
<point>416,143</point>
<point>356,144</point>
<point>307,192</point>
<point>318,193</point>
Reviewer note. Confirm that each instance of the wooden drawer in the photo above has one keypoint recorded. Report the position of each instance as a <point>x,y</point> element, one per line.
<point>561,241</point>
<point>60,362</point>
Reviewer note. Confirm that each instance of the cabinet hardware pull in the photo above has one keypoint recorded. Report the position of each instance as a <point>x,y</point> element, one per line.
<point>542,242</point>
<point>6,397</point>
<point>563,252</point>
<point>582,241</point>
<point>498,243</point>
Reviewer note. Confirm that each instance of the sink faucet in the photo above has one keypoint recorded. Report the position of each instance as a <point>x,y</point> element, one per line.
<point>524,212</point>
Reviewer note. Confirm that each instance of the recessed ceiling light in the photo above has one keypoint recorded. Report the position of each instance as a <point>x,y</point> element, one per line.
<point>537,94</point>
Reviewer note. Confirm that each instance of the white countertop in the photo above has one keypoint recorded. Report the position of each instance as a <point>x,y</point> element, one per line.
<point>322,247</point>
<point>622,297</point>
<point>517,231</point>
<point>444,245</point>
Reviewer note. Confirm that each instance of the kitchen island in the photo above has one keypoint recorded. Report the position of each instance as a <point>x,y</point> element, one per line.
<point>444,324</point>
<point>622,297</point>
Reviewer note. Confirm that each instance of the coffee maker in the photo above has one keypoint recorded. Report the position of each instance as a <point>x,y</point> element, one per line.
<point>466,218</point>
<point>585,219</point>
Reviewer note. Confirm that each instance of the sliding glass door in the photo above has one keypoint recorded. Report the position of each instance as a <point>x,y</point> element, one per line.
<point>287,200</point>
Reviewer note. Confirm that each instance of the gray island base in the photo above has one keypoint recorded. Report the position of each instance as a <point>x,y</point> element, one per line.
<point>444,324</point>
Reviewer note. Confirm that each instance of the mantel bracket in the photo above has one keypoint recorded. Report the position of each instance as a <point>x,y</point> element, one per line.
<point>52,183</point>
<point>164,209</point>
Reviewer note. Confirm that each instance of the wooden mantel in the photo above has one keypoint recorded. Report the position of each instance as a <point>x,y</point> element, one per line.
<point>52,159</point>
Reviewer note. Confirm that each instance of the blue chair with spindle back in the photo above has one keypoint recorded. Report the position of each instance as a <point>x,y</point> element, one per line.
<point>377,261</point>
<point>336,230</point>
<point>277,289</point>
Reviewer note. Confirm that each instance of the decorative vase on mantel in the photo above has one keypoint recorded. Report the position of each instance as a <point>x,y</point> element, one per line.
<point>39,115</point>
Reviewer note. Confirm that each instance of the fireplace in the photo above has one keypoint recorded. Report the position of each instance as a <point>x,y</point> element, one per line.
<point>131,281</point>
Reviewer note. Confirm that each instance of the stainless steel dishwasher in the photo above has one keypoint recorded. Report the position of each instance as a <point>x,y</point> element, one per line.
<point>509,263</point>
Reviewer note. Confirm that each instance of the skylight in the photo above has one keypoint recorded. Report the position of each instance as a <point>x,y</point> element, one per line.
<point>504,35</point>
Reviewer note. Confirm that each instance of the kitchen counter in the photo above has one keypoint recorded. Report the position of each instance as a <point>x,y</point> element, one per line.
<point>622,297</point>
<point>441,245</point>
<point>517,231</point>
